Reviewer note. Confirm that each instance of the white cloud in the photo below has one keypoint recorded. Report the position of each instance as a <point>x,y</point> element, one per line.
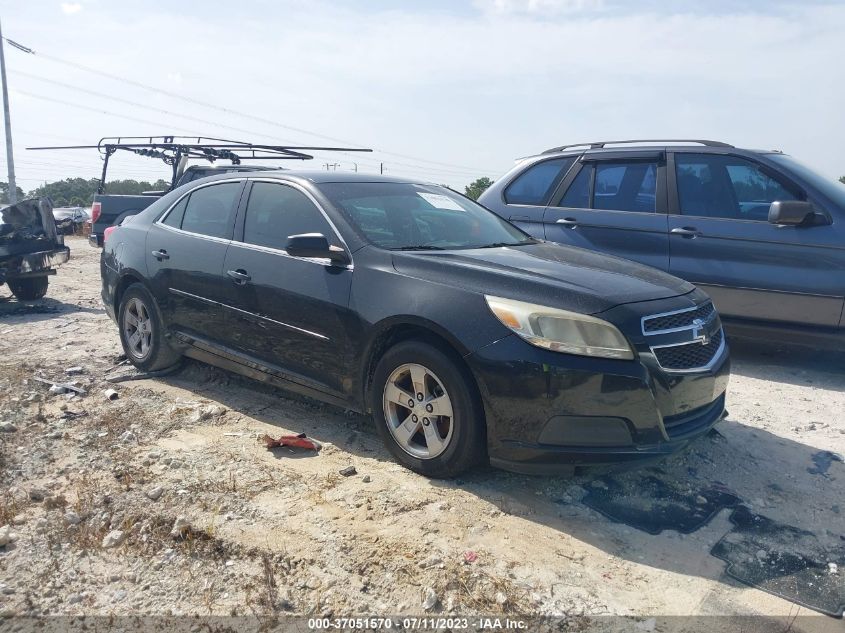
<point>537,7</point>
<point>69,8</point>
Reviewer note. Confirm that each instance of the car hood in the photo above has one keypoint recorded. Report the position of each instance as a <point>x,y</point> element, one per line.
<point>559,276</point>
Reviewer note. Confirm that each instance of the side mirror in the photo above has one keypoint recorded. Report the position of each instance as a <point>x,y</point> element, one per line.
<point>316,245</point>
<point>790,212</point>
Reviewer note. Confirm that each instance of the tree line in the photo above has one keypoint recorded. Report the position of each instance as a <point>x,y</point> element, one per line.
<point>79,192</point>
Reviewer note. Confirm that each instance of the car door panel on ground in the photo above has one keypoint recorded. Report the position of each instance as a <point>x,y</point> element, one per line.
<point>721,240</point>
<point>288,312</point>
<point>185,251</point>
<point>614,205</point>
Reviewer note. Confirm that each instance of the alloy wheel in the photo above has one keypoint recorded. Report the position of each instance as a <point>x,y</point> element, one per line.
<point>137,328</point>
<point>418,411</point>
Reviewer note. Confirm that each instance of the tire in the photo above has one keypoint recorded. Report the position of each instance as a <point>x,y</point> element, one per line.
<point>30,288</point>
<point>445,446</point>
<point>138,315</point>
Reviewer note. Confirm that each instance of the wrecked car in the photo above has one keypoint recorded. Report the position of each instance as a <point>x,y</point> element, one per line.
<point>30,247</point>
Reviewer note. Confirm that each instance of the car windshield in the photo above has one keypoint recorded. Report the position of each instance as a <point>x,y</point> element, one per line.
<point>829,187</point>
<point>404,216</point>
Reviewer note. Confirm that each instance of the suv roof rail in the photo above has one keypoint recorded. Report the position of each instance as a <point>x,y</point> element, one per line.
<point>601,144</point>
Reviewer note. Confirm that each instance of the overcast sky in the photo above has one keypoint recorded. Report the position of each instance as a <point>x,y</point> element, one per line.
<point>445,90</point>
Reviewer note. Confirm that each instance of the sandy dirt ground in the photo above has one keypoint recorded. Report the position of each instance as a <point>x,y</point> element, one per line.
<point>91,488</point>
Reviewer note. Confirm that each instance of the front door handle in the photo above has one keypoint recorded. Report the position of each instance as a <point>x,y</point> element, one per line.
<point>161,254</point>
<point>239,276</point>
<point>687,232</point>
<point>567,222</point>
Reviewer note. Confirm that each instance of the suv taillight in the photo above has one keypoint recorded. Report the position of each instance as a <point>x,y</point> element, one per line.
<point>96,207</point>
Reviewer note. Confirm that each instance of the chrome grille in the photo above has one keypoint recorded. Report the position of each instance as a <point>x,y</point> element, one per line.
<point>677,320</point>
<point>689,356</point>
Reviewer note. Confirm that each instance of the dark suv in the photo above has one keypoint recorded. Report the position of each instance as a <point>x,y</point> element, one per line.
<point>761,233</point>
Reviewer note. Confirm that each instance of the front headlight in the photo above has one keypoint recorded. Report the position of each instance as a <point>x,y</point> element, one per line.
<point>561,330</point>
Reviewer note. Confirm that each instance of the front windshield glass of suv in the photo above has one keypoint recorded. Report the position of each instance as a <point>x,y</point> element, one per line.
<point>403,216</point>
<point>829,187</point>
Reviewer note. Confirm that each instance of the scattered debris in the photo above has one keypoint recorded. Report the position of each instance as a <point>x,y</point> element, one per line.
<point>429,599</point>
<point>366,479</point>
<point>7,427</point>
<point>293,441</point>
<point>7,536</point>
<point>181,527</point>
<point>71,371</point>
<point>348,471</point>
<point>155,493</point>
<point>470,556</point>
<point>60,387</point>
<point>113,539</point>
<point>110,394</point>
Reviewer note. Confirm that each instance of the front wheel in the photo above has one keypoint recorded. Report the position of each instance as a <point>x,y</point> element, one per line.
<point>427,410</point>
<point>142,332</point>
<point>29,288</point>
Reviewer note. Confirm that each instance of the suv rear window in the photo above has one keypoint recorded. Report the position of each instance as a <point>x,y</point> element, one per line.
<point>535,185</point>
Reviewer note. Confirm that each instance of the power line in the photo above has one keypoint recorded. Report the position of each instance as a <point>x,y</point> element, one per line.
<point>231,111</point>
<point>101,95</point>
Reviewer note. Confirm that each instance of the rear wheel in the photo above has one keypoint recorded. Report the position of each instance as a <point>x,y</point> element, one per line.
<point>142,332</point>
<point>30,288</point>
<point>427,410</point>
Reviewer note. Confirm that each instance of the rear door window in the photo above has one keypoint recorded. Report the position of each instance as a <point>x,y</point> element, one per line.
<point>211,210</point>
<point>727,187</point>
<point>535,185</point>
<point>626,186</point>
<point>174,217</point>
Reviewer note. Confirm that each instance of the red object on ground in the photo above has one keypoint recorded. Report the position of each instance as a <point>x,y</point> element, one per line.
<point>295,441</point>
<point>470,556</point>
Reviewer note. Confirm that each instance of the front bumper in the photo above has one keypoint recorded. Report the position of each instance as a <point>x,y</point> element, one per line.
<point>550,412</point>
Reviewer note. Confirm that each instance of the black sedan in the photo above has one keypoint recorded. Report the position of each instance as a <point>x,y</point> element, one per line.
<point>466,339</point>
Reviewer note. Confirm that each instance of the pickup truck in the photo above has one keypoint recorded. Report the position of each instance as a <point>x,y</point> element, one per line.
<point>175,151</point>
<point>110,210</point>
<point>30,248</point>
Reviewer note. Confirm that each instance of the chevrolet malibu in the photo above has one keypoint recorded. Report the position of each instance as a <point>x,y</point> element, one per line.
<point>465,338</point>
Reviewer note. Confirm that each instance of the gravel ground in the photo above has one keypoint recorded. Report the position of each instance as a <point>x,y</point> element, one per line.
<point>164,501</point>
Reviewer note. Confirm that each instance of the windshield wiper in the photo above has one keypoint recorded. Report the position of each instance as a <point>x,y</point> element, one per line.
<point>501,244</point>
<point>419,247</point>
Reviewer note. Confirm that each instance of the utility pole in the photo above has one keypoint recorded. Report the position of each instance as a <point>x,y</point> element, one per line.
<point>10,158</point>
<point>332,165</point>
<point>381,168</point>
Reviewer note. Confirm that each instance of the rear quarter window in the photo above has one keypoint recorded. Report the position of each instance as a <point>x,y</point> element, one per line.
<point>535,185</point>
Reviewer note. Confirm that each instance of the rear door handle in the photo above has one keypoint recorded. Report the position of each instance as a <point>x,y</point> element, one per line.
<point>239,276</point>
<point>568,222</point>
<point>686,232</point>
<point>161,254</point>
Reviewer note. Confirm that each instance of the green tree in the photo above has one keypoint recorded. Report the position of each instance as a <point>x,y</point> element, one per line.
<point>79,192</point>
<point>475,189</point>
<point>842,180</point>
<point>4,193</point>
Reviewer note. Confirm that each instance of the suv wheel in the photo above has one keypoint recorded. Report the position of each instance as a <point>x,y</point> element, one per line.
<point>29,288</point>
<point>141,331</point>
<point>427,410</point>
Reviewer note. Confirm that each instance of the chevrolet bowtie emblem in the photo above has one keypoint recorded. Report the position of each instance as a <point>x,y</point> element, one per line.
<point>697,335</point>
